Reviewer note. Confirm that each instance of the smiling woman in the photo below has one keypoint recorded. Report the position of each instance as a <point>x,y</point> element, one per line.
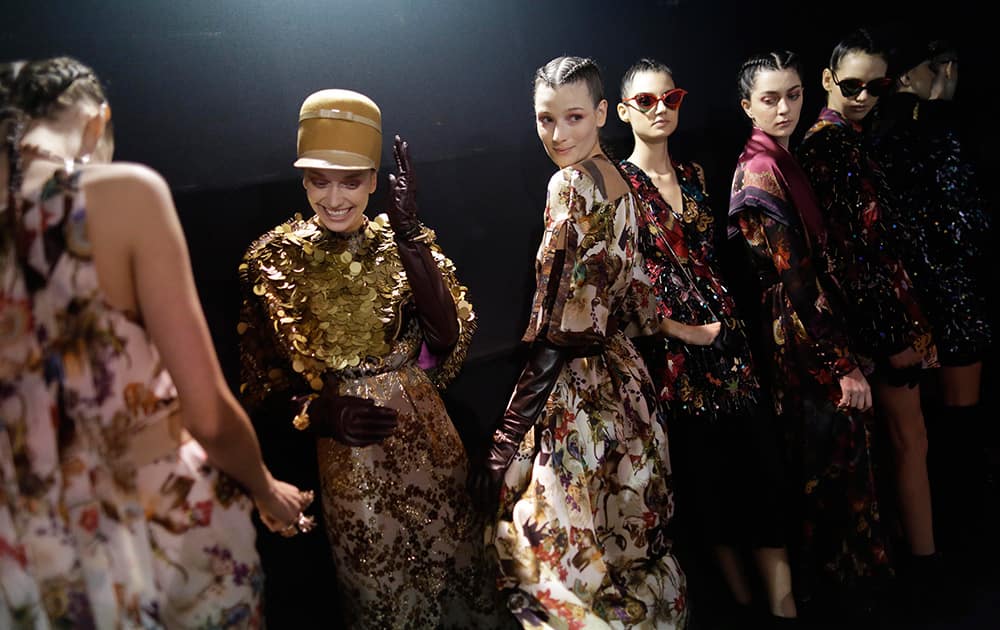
<point>349,328</point>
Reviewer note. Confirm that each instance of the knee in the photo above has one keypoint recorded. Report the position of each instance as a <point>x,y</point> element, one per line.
<point>910,440</point>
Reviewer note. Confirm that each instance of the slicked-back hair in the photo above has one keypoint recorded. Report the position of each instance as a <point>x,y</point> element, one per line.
<point>643,65</point>
<point>859,40</point>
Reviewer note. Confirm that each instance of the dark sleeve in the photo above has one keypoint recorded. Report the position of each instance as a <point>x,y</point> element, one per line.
<point>820,319</point>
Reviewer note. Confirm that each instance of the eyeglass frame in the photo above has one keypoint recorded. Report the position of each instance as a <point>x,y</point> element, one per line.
<point>658,99</point>
<point>889,82</point>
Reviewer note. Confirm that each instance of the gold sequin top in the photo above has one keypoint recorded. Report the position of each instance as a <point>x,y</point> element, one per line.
<point>318,302</point>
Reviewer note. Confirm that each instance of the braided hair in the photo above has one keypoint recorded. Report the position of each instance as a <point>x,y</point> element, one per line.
<point>11,129</point>
<point>775,60</point>
<point>46,87</point>
<point>643,65</point>
<point>565,70</point>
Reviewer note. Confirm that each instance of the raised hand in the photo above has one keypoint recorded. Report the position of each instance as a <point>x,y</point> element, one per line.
<point>403,214</point>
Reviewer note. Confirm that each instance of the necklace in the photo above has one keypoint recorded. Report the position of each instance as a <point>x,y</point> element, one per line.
<point>69,164</point>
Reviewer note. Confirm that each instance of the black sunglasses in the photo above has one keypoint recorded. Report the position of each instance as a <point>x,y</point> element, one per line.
<point>852,87</point>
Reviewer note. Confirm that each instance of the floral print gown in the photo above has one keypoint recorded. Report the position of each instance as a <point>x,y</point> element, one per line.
<point>405,541</point>
<point>679,253</point>
<point>106,519</point>
<point>840,538</point>
<point>584,505</point>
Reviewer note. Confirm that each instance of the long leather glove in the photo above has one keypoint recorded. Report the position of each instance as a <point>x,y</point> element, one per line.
<point>435,305</point>
<point>351,420</point>
<point>539,376</point>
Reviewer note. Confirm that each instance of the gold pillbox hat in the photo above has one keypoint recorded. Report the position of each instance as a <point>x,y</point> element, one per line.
<point>339,129</point>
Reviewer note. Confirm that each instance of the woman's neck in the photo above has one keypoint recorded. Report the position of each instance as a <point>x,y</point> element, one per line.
<point>49,142</point>
<point>653,158</point>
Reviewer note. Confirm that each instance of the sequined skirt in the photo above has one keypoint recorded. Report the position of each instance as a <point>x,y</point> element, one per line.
<point>407,546</point>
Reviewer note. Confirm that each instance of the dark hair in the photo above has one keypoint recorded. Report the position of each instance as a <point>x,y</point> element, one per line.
<point>859,40</point>
<point>643,65</point>
<point>11,128</point>
<point>774,60</point>
<point>46,87</point>
<point>565,70</point>
<point>942,51</point>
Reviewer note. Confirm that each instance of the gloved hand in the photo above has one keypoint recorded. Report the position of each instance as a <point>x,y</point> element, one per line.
<point>351,420</point>
<point>402,208</point>
<point>526,403</point>
<point>435,305</point>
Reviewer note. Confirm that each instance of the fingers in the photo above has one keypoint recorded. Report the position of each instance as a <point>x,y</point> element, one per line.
<point>371,425</point>
<point>400,153</point>
<point>867,401</point>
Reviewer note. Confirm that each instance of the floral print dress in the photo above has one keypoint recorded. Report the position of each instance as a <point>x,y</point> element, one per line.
<point>109,517</point>
<point>581,533</point>
<point>678,249</point>
<point>840,538</point>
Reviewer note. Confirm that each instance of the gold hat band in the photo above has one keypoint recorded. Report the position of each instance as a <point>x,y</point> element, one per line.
<point>341,115</point>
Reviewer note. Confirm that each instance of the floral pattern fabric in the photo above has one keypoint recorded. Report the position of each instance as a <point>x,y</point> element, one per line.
<point>840,539</point>
<point>677,246</point>
<point>100,527</point>
<point>581,534</point>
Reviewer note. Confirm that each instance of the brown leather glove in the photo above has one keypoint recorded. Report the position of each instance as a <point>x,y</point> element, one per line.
<point>544,365</point>
<point>351,420</point>
<point>435,305</point>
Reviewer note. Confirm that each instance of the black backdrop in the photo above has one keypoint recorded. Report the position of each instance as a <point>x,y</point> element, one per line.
<point>207,92</point>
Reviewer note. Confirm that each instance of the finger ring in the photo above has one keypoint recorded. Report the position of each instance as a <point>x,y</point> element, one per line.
<point>305,523</point>
<point>307,496</point>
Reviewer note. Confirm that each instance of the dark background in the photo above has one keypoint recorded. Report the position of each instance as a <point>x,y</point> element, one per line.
<point>207,93</point>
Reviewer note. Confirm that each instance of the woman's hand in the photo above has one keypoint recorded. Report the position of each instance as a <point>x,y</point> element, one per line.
<point>281,507</point>
<point>702,335</point>
<point>855,391</point>
<point>402,210</point>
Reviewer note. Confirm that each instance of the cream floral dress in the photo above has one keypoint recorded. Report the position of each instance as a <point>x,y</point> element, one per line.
<point>581,533</point>
<point>109,517</point>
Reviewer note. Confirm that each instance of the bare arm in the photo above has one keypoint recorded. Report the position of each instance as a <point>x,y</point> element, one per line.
<point>134,204</point>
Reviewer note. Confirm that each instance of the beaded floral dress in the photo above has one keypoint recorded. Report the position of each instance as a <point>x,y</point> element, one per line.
<point>883,315</point>
<point>941,225</point>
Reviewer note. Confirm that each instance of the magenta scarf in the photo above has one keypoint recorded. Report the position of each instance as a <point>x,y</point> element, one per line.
<point>764,149</point>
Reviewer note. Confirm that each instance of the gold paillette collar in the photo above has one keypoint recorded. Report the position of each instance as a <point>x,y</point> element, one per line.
<point>335,300</point>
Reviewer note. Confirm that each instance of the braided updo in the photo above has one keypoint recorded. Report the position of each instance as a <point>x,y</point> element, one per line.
<point>776,60</point>
<point>46,87</point>
<point>565,70</point>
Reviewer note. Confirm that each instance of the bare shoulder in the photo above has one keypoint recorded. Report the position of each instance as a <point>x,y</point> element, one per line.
<point>125,178</point>
<point>128,187</point>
